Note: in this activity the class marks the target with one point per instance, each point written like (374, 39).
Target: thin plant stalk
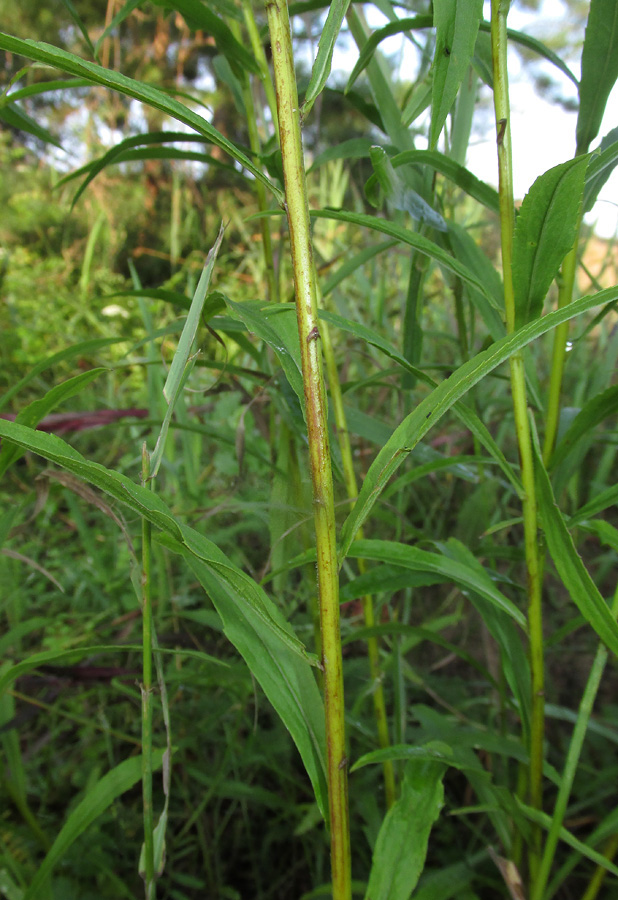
(319, 450)
(600, 873)
(561, 334)
(572, 761)
(149, 870)
(343, 436)
(499, 10)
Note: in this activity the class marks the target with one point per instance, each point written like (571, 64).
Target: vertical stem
(147, 692)
(379, 705)
(317, 431)
(499, 11)
(561, 335)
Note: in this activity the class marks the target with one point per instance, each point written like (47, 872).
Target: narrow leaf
(452, 570)
(99, 797)
(459, 175)
(572, 571)
(416, 425)
(13, 116)
(401, 847)
(457, 26)
(545, 230)
(181, 363)
(599, 69)
(73, 65)
(286, 679)
(32, 414)
(602, 163)
(324, 57)
(148, 504)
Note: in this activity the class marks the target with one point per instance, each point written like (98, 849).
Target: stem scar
(343, 763)
(314, 334)
(501, 131)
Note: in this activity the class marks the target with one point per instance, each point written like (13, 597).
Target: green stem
(499, 10)
(317, 432)
(572, 761)
(343, 436)
(561, 334)
(147, 692)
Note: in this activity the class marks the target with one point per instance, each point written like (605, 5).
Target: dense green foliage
(160, 618)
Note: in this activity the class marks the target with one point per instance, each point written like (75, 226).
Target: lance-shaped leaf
(14, 116)
(183, 362)
(32, 414)
(599, 69)
(324, 57)
(399, 194)
(401, 847)
(545, 230)
(457, 26)
(98, 798)
(602, 163)
(568, 563)
(416, 425)
(74, 65)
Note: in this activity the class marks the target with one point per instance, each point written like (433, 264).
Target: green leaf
(99, 797)
(85, 348)
(32, 414)
(401, 847)
(144, 502)
(73, 65)
(599, 69)
(277, 326)
(132, 149)
(545, 230)
(324, 57)
(13, 116)
(370, 46)
(459, 175)
(416, 425)
(286, 679)
(420, 22)
(451, 570)
(406, 236)
(72, 655)
(399, 194)
(602, 164)
(595, 411)
(541, 818)
(457, 26)
(435, 751)
(573, 573)
(181, 363)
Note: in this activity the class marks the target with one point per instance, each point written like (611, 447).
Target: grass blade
(99, 797)
(457, 26)
(324, 58)
(599, 69)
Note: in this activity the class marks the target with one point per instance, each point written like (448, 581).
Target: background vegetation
(110, 206)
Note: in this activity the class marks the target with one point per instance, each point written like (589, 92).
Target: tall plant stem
(499, 10)
(379, 705)
(147, 693)
(319, 450)
(561, 334)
